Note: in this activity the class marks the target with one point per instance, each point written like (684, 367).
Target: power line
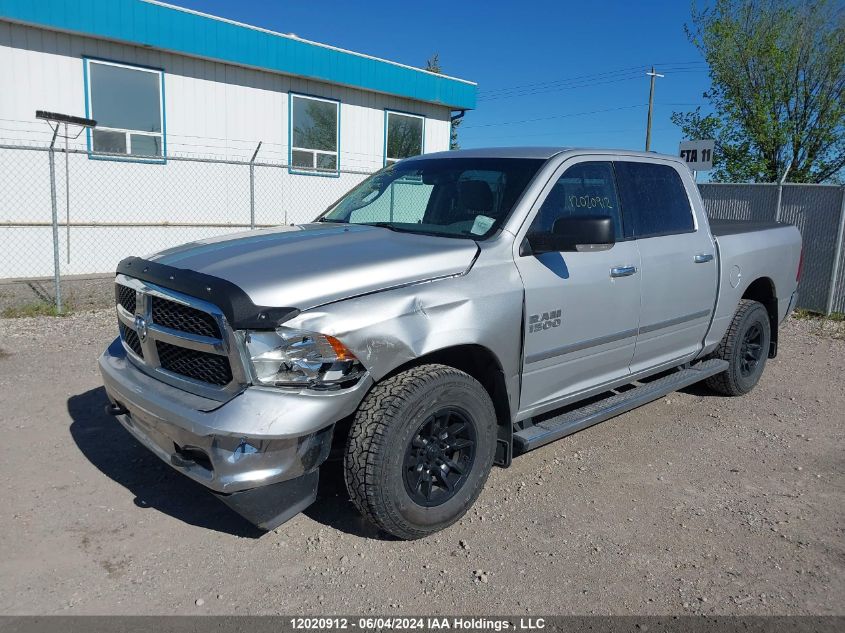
(582, 84)
(637, 68)
(580, 133)
(581, 81)
(541, 84)
(556, 116)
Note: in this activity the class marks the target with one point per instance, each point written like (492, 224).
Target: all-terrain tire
(750, 317)
(390, 422)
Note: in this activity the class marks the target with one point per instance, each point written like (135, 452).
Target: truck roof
(537, 152)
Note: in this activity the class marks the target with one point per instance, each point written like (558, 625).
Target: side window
(653, 199)
(584, 189)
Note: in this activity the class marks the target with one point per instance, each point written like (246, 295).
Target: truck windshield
(450, 197)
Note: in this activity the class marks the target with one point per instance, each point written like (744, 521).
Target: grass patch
(830, 326)
(836, 317)
(34, 309)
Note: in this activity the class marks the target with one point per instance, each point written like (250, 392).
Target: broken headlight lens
(286, 357)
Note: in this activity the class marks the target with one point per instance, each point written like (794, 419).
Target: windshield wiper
(333, 220)
(386, 225)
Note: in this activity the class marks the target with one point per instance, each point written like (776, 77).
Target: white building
(164, 83)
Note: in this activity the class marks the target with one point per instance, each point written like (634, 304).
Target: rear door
(678, 261)
(581, 308)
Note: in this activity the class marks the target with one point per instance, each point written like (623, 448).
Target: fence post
(780, 189)
(837, 256)
(252, 186)
(54, 206)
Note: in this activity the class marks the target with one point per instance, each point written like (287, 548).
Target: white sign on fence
(698, 154)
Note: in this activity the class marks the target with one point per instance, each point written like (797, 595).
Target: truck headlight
(286, 357)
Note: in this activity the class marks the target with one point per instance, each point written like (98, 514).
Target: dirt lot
(693, 504)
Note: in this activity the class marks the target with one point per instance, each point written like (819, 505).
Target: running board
(573, 421)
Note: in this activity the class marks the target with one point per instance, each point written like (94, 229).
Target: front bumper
(258, 438)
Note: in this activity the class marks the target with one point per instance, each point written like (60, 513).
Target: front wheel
(745, 346)
(420, 450)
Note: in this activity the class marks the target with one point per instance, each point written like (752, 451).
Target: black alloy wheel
(751, 350)
(439, 457)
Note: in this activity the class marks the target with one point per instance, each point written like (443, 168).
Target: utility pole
(652, 74)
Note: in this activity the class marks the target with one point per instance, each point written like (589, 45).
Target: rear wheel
(745, 346)
(420, 449)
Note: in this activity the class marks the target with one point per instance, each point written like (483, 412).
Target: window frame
(89, 107)
(387, 113)
(632, 221)
(315, 171)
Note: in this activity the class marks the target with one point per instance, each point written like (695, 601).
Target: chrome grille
(130, 337)
(184, 318)
(202, 366)
(178, 339)
(125, 297)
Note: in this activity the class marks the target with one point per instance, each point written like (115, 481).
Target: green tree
(777, 69)
(432, 65)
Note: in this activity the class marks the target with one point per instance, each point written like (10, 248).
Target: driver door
(582, 309)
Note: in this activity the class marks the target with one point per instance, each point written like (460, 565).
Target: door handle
(623, 271)
(703, 258)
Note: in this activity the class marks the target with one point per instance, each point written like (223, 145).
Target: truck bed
(735, 227)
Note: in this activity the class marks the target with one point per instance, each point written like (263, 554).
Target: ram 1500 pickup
(449, 312)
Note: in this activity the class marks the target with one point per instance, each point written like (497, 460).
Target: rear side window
(583, 189)
(654, 201)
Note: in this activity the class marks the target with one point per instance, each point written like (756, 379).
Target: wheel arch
(763, 290)
(482, 364)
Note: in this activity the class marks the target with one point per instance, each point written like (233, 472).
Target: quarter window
(126, 102)
(584, 189)
(314, 133)
(404, 136)
(654, 200)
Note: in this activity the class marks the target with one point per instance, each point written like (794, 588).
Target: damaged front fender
(388, 329)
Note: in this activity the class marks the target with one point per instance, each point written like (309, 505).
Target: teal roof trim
(181, 31)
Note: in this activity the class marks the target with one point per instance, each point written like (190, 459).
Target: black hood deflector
(235, 304)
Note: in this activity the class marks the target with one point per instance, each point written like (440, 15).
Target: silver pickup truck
(451, 311)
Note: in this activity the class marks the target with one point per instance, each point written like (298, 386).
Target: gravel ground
(78, 292)
(692, 504)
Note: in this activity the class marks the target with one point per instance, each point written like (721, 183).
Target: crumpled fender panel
(388, 329)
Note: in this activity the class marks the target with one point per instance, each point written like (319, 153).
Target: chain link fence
(87, 213)
(819, 213)
(84, 215)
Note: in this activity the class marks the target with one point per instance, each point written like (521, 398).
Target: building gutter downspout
(454, 118)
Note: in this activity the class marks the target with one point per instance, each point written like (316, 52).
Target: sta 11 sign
(698, 154)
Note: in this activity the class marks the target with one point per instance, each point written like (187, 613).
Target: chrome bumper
(259, 437)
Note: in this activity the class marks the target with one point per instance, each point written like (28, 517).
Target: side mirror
(573, 233)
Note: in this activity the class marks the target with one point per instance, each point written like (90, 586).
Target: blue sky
(549, 73)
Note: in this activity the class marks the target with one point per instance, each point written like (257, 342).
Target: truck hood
(314, 264)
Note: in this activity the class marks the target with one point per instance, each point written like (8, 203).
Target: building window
(314, 126)
(404, 136)
(127, 103)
